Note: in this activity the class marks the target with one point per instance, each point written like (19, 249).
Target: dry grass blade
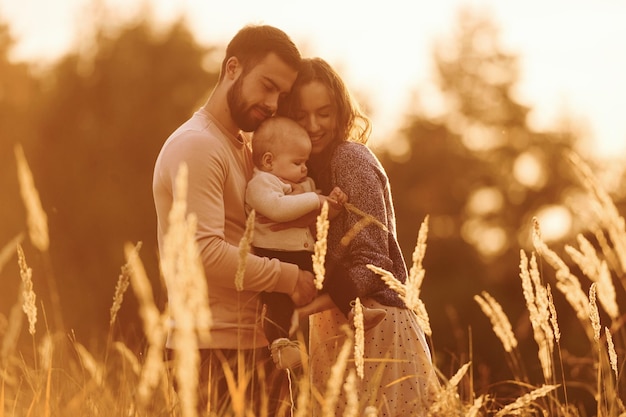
(320, 247)
(29, 305)
(612, 353)
(608, 216)
(364, 221)
(391, 281)
(359, 338)
(244, 249)
(407, 294)
(593, 312)
(567, 283)
(352, 395)
(473, 410)
(153, 324)
(538, 306)
(123, 281)
(8, 250)
(517, 407)
(597, 270)
(333, 386)
(447, 401)
(187, 293)
(499, 321)
(90, 364)
(35, 215)
(416, 273)
(12, 333)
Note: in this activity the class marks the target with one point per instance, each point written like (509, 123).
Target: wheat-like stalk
(352, 396)
(29, 305)
(594, 316)
(364, 221)
(412, 303)
(130, 357)
(597, 271)
(537, 304)
(123, 281)
(447, 397)
(244, 249)
(90, 364)
(35, 215)
(475, 407)
(8, 251)
(320, 247)
(410, 291)
(415, 279)
(46, 349)
(303, 402)
(605, 247)
(12, 332)
(333, 386)
(187, 293)
(517, 407)
(499, 321)
(416, 273)
(606, 292)
(391, 281)
(567, 283)
(553, 317)
(460, 373)
(608, 216)
(359, 338)
(154, 327)
(612, 353)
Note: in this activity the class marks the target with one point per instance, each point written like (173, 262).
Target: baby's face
(290, 162)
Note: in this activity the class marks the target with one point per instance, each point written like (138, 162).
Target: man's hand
(305, 289)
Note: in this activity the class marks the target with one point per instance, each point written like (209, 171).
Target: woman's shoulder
(349, 150)
(354, 154)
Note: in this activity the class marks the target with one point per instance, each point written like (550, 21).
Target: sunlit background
(572, 52)
(474, 103)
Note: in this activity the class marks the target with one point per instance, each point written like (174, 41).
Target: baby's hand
(339, 196)
(336, 199)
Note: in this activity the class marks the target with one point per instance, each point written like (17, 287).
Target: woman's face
(317, 115)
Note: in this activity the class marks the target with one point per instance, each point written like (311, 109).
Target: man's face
(254, 95)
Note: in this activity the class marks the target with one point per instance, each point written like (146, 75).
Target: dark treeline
(92, 123)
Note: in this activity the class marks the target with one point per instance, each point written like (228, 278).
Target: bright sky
(572, 52)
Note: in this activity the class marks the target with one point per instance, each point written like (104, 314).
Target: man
(260, 65)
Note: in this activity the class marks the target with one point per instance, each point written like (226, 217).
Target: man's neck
(217, 106)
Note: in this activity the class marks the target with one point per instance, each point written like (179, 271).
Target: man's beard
(239, 109)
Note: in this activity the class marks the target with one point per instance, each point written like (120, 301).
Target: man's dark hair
(254, 42)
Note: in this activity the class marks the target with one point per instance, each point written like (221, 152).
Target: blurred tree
(19, 90)
(481, 173)
(107, 110)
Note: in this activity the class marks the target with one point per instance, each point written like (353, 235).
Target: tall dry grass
(60, 377)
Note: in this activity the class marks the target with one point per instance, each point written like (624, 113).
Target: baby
(281, 191)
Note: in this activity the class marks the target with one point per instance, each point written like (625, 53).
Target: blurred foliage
(91, 136)
(481, 174)
(92, 125)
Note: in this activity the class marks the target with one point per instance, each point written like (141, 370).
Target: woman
(399, 377)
